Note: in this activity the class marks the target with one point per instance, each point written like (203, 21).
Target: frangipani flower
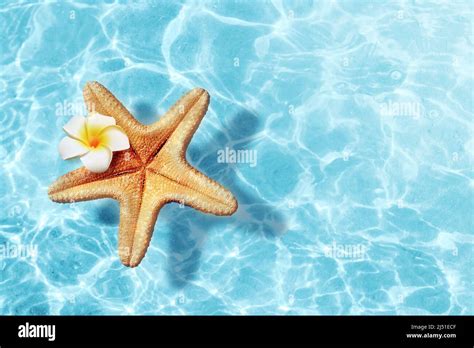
(93, 138)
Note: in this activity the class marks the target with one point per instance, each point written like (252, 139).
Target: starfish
(151, 173)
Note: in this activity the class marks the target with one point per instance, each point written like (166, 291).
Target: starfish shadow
(186, 243)
(145, 112)
(188, 227)
(107, 212)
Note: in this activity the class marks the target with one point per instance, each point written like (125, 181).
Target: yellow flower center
(94, 142)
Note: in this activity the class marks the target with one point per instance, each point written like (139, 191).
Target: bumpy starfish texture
(153, 172)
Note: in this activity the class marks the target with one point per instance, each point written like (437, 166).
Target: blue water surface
(359, 112)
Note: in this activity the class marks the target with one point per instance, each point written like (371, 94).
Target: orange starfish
(153, 172)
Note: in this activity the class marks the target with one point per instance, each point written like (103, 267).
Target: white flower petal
(97, 160)
(115, 138)
(97, 122)
(76, 127)
(69, 148)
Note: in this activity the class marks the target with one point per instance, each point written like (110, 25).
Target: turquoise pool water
(357, 115)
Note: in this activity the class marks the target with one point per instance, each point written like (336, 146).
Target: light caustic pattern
(357, 117)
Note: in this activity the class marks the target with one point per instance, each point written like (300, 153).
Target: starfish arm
(179, 139)
(170, 162)
(99, 99)
(159, 132)
(196, 189)
(83, 185)
(138, 213)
